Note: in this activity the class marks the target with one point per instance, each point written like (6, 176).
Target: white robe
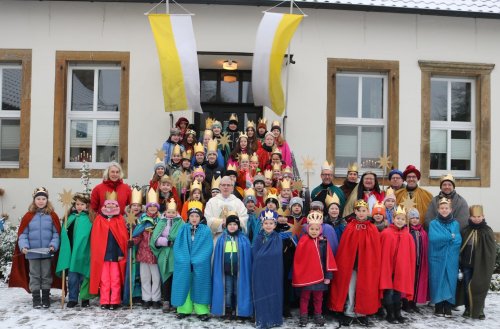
(214, 212)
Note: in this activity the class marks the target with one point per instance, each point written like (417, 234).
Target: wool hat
(41, 191)
(258, 178)
(216, 124)
(296, 200)
(395, 171)
(160, 164)
(317, 205)
(233, 218)
(249, 198)
(411, 169)
(413, 213)
(194, 207)
(174, 131)
(379, 209)
(82, 197)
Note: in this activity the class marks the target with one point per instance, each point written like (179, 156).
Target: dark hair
(360, 185)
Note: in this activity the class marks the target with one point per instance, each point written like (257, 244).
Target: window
(455, 102)
(95, 111)
(15, 82)
(362, 113)
(221, 86)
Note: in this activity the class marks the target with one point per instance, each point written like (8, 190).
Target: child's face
(175, 138)
(165, 187)
(268, 225)
(190, 139)
(212, 157)
(399, 221)
(135, 208)
(200, 178)
(245, 164)
(196, 195)
(333, 211)
(152, 210)
(414, 221)
(389, 203)
(477, 219)
(286, 193)
(194, 219)
(160, 171)
(250, 132)
(444, 209)
(41, 201)
(314, 230)
(361, 213)
(262, 131)
(271, 205)
(80, 206)
(277, 174)
(296, 209)
(378, 218)
(233, 126)
(233, 178)
(250, 206)
(186, 164)
(268, 182)
(275, 159)
(200, 157)
(215, 192)
(176, 158)
(243, 143)
(259, 186)
(217, 130)
(232, 227)
(276, 132)
(254, 164)
(352, 176)
(170, 213)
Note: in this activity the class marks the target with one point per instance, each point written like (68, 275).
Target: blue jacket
(40, 233)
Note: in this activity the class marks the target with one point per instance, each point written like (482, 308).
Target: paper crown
(275, 124)
(177, 149)
(249, 192)
(254, 158)
(277, 167)
(283, 213)
(209, 133)
(244, 157)
(198, 171)
(233, 117)
(243, 135)
(208, 123)
(276, 151)
(332, 199)
(196, 205)
(215, 183)
(198, 148)
(268, 215)
(152, 196)
(352, 167)
(476, 210)
(251, 124)
(158, 160)
(263, 121)
(41, 190)
(268, 174)
(231, 213)
(389, 194)
(212, 146)
(195, 185)
(171, 205)
(315, 217)
(327, 166)
(231, 167)
(136, 195)
(111, 196)
(286, 183)
(187, 154)
(360, 203)
(444, 201)
(271, 196)
(447, 177)
(191, 132)
(400, 211)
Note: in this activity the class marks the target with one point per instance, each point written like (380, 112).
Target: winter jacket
(40, 233)
(98, 195)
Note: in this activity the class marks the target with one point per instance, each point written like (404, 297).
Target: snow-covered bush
(7, 242)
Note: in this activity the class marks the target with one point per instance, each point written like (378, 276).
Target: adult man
(396, 179)
(217, 208)
(418, 195)
(459, 207)
(326, 187)
(351, 180)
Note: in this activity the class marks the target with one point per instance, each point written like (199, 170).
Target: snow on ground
(16, 312)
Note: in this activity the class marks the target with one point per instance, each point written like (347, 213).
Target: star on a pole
(408, 203)
(297, 185)
(308, 164)
(224, 140)
(384, 162)
(183, 179)
(160, 154)
(295, 228)
(66, 197)
(131, 219)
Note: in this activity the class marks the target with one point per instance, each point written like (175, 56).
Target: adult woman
(281, 144)
(112, 180)
(368, 190)
(265, 150)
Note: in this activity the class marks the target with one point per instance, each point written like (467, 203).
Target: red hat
(410, 169)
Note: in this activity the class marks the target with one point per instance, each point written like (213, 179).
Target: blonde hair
(49, 208)
(105, 175)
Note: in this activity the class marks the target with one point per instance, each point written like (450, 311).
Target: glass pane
(229, 88)
(11, 89)
(373, 92)
(109, 90)
(80, 141)
(346, 102)
(10, 136)
(246, 92)
(82, 90)
(439, 100)
(461, 101)
(108, 133)
(460, 150)
(346, 145)
(372, 140)
(438, 149)
(208, 86)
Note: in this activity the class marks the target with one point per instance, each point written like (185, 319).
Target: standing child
(173, 140)
(378, 215)
(333, 217)
(39, 230)
(397, 272)
(161, 244)
(232, 290)
(313, 269)
(195, 194)
(192, 282)
(444, 252)
(75, 250)
(108, 253)
(253, 225)
(267, 274)
(390, 204)
(477, 260)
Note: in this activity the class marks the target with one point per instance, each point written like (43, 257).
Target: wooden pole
(130, 266)
(63, 279)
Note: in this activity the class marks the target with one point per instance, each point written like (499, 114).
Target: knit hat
(413, 213)
(395, 171)
(317, 205)
(41, 191)
(174, 131)
(249, 198)
(82, 197)
(262, 124)
(216, 124)
(258, 178)
(379, 209)
(296, 200)
(411, 169)
(159, 164)
(233, 218)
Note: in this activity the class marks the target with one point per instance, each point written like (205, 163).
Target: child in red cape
(313, 268)
(358, 261)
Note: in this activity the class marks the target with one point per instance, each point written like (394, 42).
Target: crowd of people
(225, 230)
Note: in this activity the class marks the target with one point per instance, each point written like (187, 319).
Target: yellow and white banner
(273, 36)
(176, 46)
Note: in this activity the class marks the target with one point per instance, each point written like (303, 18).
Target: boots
(447, 310)
(45, 298)
(228, 315)
(303, 320)
(380, 313)
(414, 307)
(406, 306)
(37, 302)
(397, 313)
(390, 313)
(319, 320)
(439, 309)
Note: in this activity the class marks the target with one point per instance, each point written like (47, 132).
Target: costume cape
(397, 270)
(421, 197)
(330, 235)
(421, 239)
(19, 275)
(444, 250)
(98, 244)
(307, 265)
(360, 240)
(244, 306)
(192, 264)
(165, 255)
(267, 280)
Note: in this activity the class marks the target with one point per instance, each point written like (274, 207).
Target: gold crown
(263, 121)
(327, 166)
(191, 132)
(212, 146)
(233, 117)
(158, 160)
(231, 213)
(208, 123)
(352, 167)
(448, 177)
(187, 154)
(136, 195)
(277, 166)
(195, 204)
(209, 133)
(476, 210)
(231, 167)
(244, 157)
(315, 217)
(276, 151)
(268, 215)
(286, 183)
(360, 203)
(268, 174)
(275, 124)
(283, 213)
(198, 171)
(287, 170)
(251, 124)
(195, 185)
(165, 179)
(243, 135)
(249, 192)
(111, 196)
(271, 196)
(332, 199)
(152, 196)
(389, 191)
(215, 183)
(177, 149)
(171, 205)
(444, 200)
(198, 148)
(400, 211)
(40, 190)
(254, 158)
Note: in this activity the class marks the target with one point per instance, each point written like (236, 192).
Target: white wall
(46, 27)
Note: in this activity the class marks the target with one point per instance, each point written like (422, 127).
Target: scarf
(267, 148)
(112, 184)
(445, 220)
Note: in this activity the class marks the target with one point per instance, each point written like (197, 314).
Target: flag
(176, 46)
(273, 36)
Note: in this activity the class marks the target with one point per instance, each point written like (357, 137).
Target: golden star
(224, 140)
(408, 203)
(184, 179)
(308, 164)
(297, 185)
(160, 154)
(66, 197)
(384, 162)
(258, 210)
(131, 219)
(295, 228)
